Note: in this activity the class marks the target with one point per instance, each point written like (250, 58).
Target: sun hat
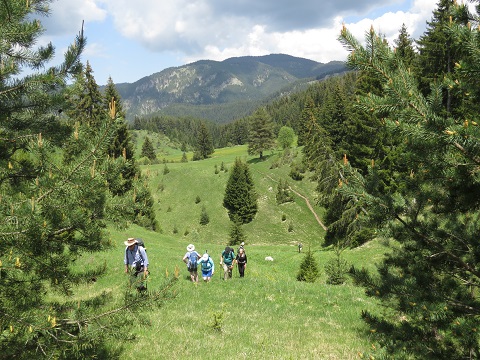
(130, 241)
(190, 247)
(205, 257)
(242, 243)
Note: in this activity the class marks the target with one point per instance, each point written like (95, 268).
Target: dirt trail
(306, 200)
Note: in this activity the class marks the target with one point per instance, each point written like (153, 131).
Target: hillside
(270, 313)
(175, 193)
(236, 85)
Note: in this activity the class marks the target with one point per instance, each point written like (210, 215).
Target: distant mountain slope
(208, 84)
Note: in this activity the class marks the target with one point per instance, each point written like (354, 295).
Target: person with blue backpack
(136, 262)
(207, 266)
(227, 261)
(191, 259)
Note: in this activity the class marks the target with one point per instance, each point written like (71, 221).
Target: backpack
(192, 261)
(141, 243)
(228, 256)
(206, 265)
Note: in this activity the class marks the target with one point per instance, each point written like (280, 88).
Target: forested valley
(392, 147)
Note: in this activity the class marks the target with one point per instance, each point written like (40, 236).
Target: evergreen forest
(386, 156)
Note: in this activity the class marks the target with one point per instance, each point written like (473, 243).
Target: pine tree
(148, 150)
(240, 198)
(429, 282)
(51, 212)
(261, 136)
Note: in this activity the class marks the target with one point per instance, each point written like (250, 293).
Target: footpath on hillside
(304, 198)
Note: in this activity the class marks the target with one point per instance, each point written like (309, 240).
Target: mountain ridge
(245, 80)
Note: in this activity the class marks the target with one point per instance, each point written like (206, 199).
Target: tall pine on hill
(240, 198)
(430, 281)
(261, 136)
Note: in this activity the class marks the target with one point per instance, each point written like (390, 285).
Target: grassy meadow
(267, 314)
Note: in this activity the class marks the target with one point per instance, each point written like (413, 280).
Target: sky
(128, 40)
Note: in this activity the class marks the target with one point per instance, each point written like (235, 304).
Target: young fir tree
(51, 212)
(430, 280)
(261, 136)
(147, 149)
(308, 268)
(204, 218)
(240, 198)
(237, 234)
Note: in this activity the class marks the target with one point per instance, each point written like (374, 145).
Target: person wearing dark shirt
(241, 261)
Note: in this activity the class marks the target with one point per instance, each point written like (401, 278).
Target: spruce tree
(307, 117)
(404, 47)
(147, 149)
(240, 198)
(204, 144)
(430, 280)
(261, 136)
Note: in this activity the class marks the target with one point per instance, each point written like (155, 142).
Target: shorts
(207, 273)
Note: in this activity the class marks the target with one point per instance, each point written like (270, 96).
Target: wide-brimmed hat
(205, 257)
(130, 241)
(190, 247)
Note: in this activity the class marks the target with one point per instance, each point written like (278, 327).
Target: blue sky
(128, 40)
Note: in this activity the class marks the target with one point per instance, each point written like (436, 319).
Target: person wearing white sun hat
(136, 262)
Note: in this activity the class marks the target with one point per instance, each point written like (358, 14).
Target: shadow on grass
(258, 160)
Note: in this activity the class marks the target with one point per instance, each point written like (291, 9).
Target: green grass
(267, 314)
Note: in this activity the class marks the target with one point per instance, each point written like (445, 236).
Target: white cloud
(67, 16)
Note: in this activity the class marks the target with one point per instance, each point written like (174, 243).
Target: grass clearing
(267, 314)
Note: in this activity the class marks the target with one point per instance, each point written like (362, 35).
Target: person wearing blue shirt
(136, 262)
(207, 266)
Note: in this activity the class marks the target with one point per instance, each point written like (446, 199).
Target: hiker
(136, 262)
(226, 260)
(300, 247)
(191, 259)
(241, 260)
(207, 266)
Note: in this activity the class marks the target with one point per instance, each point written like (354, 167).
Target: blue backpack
(192, 261)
